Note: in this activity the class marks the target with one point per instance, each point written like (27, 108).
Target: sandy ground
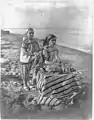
(81, 112)
(80, 60)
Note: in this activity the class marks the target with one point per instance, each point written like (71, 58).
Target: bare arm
(57, 57)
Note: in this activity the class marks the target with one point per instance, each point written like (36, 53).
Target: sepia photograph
(46, 59)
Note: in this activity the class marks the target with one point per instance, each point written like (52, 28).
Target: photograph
(46, 59)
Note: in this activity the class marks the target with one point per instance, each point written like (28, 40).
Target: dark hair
(48, 38)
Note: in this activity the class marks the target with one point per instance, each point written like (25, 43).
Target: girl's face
(52, 42)
(30, 34)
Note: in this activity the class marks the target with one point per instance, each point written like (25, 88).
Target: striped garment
(48, 101)
(40, 100)
(60, 87)
(54, 90)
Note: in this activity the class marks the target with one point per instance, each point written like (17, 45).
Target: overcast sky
(70, 20)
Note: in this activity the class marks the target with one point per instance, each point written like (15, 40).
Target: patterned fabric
(40, 100)
(49, 101)
(50, 53)
(38, 60)
(51, 57)
(30, 45)
(54, 90)
(25, 68)
(28, 48)
(60, 87)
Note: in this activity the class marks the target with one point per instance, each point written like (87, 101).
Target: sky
(70, 20)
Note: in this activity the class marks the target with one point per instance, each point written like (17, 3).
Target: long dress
(28, 47)
(51, 63)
